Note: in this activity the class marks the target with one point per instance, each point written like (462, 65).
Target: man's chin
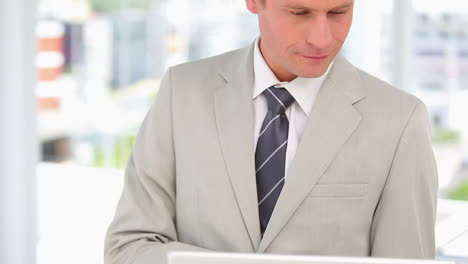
(313, 74)
(313, 71)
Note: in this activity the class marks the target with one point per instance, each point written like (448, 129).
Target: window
(100, 63)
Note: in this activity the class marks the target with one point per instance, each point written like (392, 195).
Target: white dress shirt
(304, 91)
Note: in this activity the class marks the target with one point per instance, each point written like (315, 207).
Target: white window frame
(18, 135)
(403, 68)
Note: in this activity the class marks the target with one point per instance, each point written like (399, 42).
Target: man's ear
(252, 5)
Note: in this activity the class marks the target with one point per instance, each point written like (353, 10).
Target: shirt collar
(304, 90)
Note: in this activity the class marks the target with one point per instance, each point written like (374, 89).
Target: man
(281, 147)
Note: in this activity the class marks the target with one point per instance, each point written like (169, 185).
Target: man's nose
(319, 33)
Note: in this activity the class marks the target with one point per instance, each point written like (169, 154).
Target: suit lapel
(332, 121)
(234, 118)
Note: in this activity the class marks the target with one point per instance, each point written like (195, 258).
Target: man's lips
(316, 57)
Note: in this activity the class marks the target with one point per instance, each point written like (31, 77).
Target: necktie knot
(279, 99)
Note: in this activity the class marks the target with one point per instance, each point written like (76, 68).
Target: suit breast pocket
(341, 190)
(343, 204)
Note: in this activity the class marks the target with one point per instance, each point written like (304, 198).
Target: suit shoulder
(389, 104)
(204, 66)
(387, 94)
(201, 77)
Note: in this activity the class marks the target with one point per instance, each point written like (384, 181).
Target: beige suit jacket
(363, 181)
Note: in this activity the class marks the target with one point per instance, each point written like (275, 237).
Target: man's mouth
(315, 57)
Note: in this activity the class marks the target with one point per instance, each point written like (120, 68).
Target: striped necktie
(270, 155)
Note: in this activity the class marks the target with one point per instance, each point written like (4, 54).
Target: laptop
(241, 258)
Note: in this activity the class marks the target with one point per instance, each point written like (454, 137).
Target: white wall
(18, 143)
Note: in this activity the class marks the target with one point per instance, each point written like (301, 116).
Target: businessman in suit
(280, 147)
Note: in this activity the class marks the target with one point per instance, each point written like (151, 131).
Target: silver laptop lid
(237, 258)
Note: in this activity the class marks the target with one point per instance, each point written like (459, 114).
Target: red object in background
(49, 74)
(49, 104)
(50, 44)
(50, 51)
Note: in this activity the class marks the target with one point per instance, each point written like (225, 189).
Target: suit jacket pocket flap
(339, 190)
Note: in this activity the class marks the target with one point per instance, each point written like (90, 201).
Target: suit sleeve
(143, 230)
(403, 223)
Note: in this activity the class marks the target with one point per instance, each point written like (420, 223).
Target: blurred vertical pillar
(365, 38)
(18, 142)
(403, 67)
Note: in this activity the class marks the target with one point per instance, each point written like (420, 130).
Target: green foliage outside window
(122, 148)
(107, 6)
(460, 192)
(445, 136)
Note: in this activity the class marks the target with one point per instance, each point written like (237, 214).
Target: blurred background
(78, 76)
